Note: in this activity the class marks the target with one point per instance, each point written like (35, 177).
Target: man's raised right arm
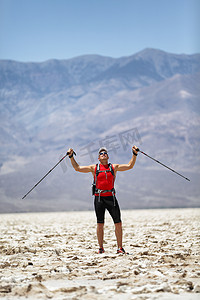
(83, 169)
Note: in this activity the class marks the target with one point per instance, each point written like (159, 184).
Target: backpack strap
(111, 169)
(97, 170)
(96, 173)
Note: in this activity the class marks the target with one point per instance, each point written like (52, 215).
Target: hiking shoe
(121, 250)
(101, 250)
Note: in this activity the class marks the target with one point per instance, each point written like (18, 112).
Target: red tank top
(105, 180)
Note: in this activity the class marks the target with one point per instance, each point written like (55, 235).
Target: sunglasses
(101, 153)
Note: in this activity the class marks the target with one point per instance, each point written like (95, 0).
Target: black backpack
(94, 189)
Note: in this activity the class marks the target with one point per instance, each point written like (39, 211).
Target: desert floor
(54, 256)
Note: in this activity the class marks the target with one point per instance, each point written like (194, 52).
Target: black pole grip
(137, 149)
(73, 153)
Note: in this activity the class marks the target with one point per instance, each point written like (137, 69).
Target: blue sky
(38, 30)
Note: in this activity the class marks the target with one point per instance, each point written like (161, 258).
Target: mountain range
(150, 99)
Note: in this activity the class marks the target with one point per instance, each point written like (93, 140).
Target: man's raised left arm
(130, 165)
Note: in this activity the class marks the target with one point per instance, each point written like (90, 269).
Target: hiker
(104, 175)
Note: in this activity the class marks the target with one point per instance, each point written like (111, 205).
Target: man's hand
(70, 152)
(135, 150)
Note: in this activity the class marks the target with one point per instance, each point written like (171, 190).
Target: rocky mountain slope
(150, 99)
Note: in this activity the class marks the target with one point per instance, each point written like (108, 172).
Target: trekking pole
(47, 174)
(162, 164)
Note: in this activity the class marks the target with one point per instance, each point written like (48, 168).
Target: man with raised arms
(104, 175)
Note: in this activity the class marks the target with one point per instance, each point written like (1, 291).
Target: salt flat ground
(54, 256)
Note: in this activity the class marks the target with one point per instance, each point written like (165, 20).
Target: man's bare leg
(118, 233)
(100, 234)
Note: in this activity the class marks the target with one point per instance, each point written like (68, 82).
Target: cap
(103, 148)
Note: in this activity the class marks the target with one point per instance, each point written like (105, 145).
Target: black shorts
(107, 202)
